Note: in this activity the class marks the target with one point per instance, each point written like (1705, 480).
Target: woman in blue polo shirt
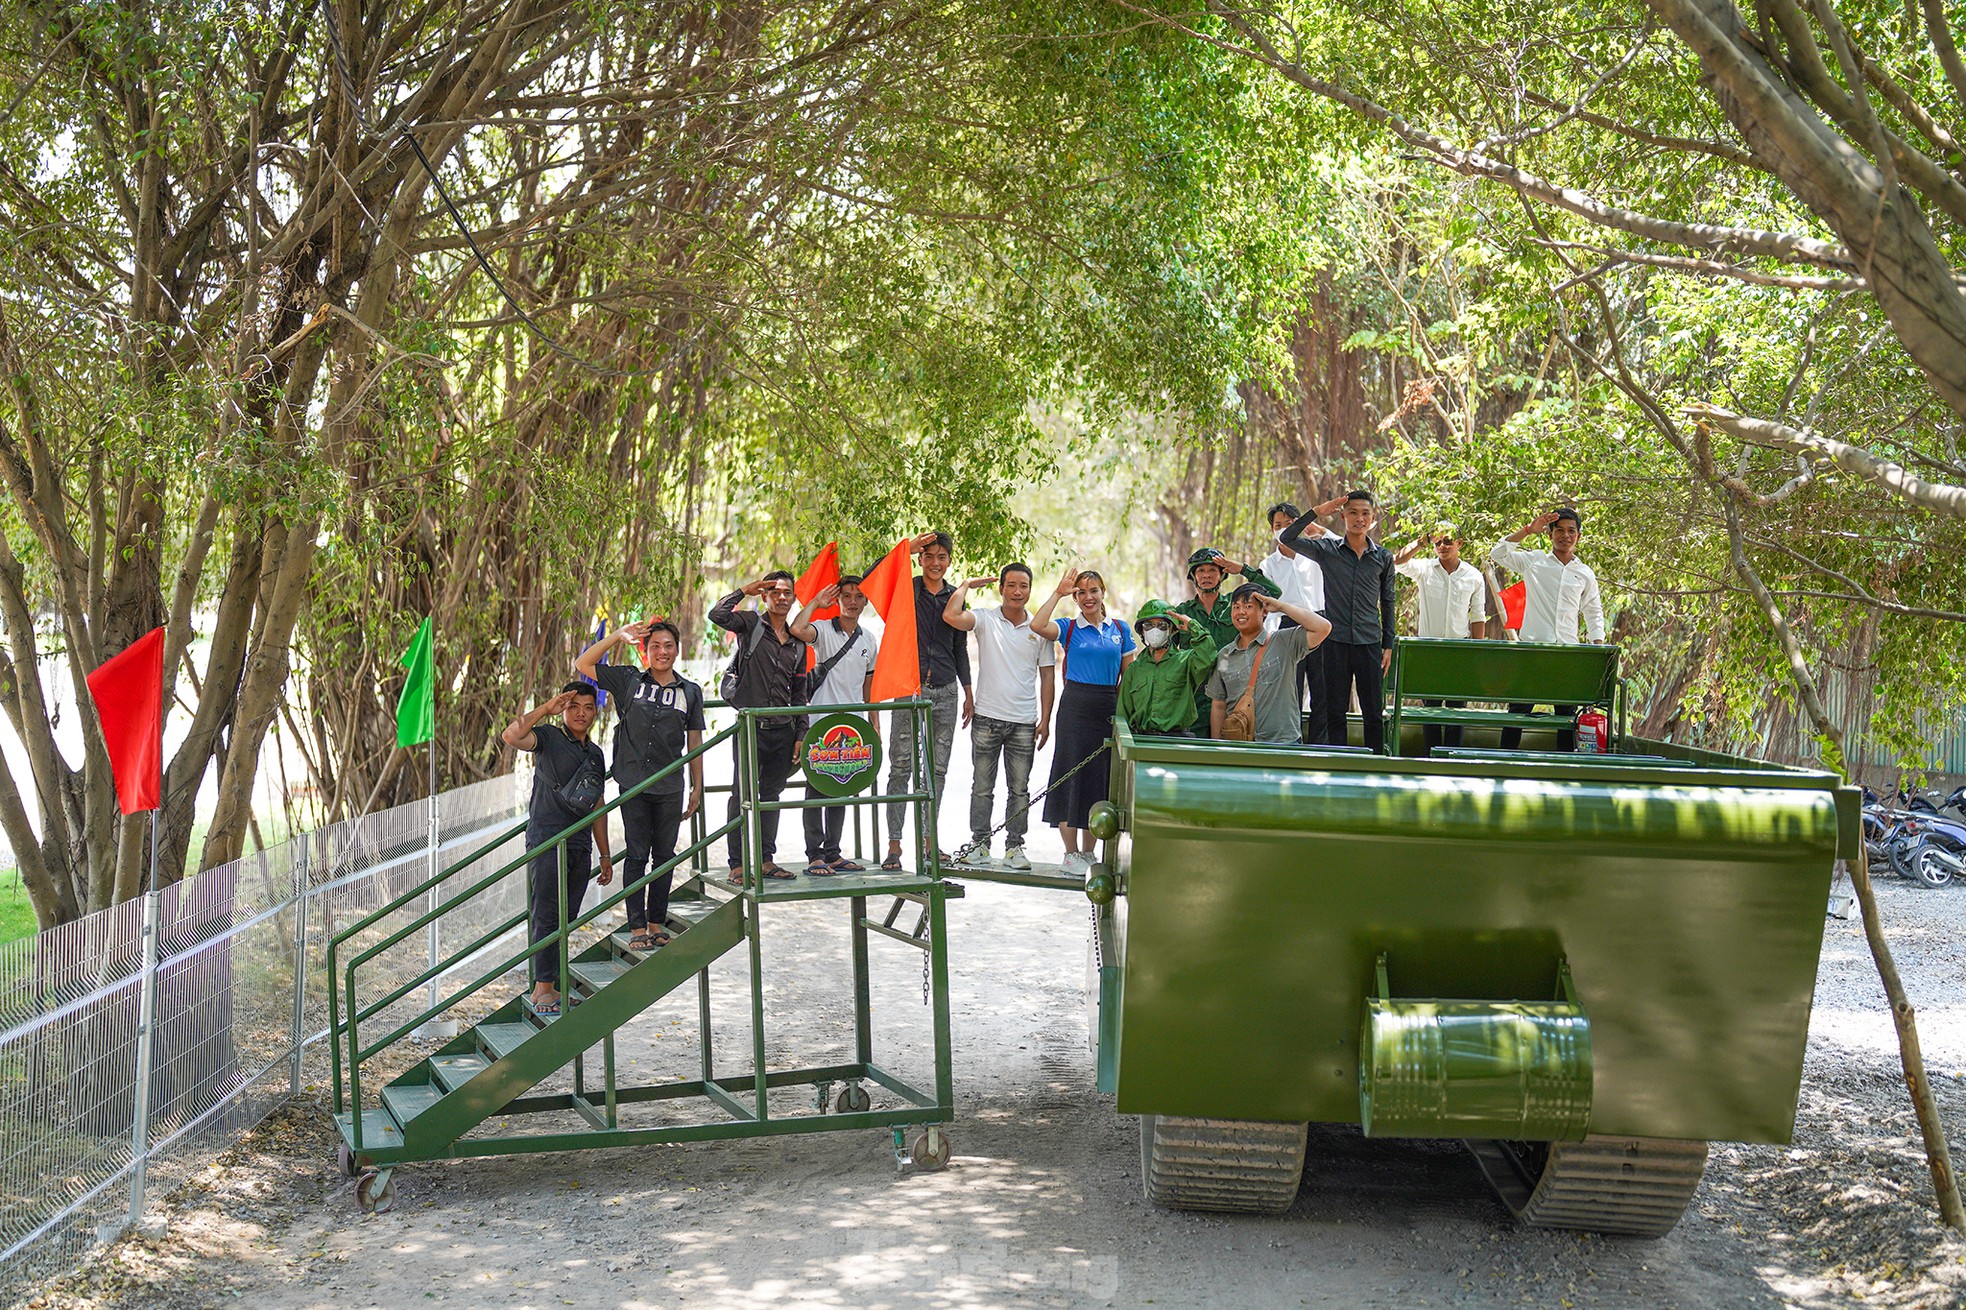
(1096, 649)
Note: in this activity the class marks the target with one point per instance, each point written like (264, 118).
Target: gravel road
(1042, 1204)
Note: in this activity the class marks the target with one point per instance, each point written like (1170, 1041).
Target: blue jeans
(1017, 744)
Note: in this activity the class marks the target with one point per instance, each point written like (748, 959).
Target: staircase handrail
(558, 840)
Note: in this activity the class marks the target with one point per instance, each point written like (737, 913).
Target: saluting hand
(636, 632)
(1331, 506)
(827, 595)
(1542, 521)
(1070, 582)
(981, 582)
(557, 705)
(754, 588)
(917, 544)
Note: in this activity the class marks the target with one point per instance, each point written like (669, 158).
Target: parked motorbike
(1929, 849)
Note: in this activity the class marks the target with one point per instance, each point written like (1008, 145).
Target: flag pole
(146, 1044)
(437, 1026)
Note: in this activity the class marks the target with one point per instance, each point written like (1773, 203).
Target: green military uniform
(1216, 621)
(1158, 695)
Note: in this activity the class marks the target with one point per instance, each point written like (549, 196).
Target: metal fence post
(146, 1025)
(303, 892)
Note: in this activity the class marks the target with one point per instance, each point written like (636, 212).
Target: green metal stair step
(378, 1129)
(501, 1039)
(453, 1071)
(408, 1100)
(598, 973)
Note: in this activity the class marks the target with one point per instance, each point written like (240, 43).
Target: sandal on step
(892, 863)
(819, 869)
(848, 866)
(774, 871)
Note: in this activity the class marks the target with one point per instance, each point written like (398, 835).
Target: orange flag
(823, 572)
(890, 589)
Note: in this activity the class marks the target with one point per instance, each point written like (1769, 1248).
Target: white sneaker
(1077, 860)
(978, 859)
(1014, 858)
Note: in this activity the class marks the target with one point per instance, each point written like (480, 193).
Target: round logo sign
(840, 754)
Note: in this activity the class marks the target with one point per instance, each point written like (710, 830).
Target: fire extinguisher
(1593, 731)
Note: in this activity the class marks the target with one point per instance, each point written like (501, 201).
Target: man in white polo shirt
(1559, 589)
(1453, 603)
(1300, 582)
(1014, 690)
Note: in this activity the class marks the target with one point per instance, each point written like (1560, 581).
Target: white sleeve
(1505, 552)
(1593, 607)
(1413, 568)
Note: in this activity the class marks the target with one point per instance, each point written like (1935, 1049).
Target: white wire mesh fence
(240, 1013)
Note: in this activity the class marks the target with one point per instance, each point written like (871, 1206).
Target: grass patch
(16, 911)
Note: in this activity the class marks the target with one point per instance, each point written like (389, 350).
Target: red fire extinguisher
(1593, 731)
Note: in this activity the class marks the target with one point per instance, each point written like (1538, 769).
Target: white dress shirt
(1300, 581)
(1450, 603)
(1555, 594)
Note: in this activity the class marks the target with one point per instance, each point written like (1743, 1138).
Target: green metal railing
(348, 1012)
(558, 941)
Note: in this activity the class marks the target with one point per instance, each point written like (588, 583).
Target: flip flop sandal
(819, 869)
(848, 866)
(641, 941)
(735, 877)
(546, 1009)
(892, 864)
(774, 871)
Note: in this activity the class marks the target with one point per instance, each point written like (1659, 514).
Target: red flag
(129, 696)
(823, 572)
(890, 589)
(1514, 600)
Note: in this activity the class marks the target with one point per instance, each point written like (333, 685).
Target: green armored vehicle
(1585, 966)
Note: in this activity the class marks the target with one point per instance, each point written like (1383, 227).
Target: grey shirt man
(1278, 715)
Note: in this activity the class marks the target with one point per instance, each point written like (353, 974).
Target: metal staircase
(474, 1095)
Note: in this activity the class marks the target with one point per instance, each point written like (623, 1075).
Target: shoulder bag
(1241, 724)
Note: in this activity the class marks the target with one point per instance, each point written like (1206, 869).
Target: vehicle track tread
(1636, 1186)
(1237, 1166)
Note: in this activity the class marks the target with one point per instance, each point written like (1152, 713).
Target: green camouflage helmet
(1206, 555)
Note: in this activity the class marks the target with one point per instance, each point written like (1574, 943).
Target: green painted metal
(1518, 1070)
(1263, 883)
(1103, 988)
(1500, 673)
(439, 1108)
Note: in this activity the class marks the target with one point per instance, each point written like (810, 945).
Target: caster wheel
(375, 1193)
(932, 1152)
(345, 1160)
(853, 1099)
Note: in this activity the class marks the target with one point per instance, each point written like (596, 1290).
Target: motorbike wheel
(1927, 868)
(1897, 852)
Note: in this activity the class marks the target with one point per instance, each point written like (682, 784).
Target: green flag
(416, 711)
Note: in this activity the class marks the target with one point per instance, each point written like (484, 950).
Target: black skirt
(1085, 726)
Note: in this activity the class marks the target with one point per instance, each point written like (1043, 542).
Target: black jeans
(1310, 682)
(824, 827)
(777, 739)
(1347, 663)
(544, 876)
(1566, 737)
(1438, 735)
(649, 825)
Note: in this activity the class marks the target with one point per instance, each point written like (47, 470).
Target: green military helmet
(1159, 609)
(1206, 555)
